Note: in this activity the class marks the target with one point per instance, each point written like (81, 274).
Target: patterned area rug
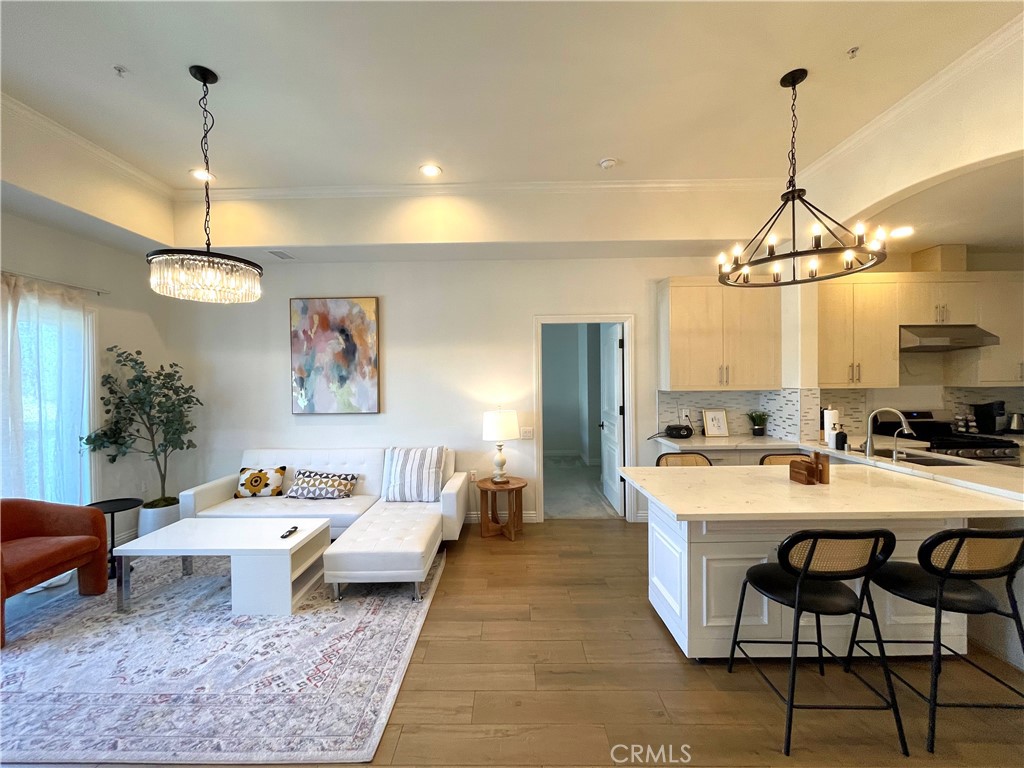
(182, 680)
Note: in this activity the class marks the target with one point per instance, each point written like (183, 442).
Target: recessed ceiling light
(902, 232)
(430, 170)
(608, 163)
(202, 174)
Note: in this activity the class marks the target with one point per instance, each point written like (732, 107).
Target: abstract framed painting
(335, 364)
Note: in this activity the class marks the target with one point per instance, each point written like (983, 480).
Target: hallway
(572, 490)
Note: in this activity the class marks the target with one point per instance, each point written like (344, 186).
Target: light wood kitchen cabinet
(858, 335)
(938, 303)
(1002, 313)
(714, 337)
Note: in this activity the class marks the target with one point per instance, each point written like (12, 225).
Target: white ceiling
(359, 94)
(983, 209)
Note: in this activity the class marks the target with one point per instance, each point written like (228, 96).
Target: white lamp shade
(501, 425)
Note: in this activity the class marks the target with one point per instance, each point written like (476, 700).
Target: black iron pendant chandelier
(846, 252)
(205, 276)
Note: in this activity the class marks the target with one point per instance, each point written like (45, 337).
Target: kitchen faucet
(869, 444)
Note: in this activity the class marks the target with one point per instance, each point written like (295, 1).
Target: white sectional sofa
(374, 540)
(216, 498)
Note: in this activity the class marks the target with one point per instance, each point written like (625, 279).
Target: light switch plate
(526, 433)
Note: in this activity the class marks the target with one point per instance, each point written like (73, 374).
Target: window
(47, 362)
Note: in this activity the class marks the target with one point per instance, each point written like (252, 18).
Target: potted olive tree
(147, 412)
(758, 421)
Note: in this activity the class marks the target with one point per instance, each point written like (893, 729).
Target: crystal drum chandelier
(845, 252)
(205, 276)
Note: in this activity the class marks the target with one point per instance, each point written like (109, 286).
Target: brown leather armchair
(40, 540)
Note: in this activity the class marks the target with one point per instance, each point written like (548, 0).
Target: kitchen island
(707, 525)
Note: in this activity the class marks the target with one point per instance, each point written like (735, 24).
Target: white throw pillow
(413, 474)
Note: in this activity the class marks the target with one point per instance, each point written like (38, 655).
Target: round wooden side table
(490, 525)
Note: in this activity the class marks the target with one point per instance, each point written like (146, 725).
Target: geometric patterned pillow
(259, 482)
(310, 484)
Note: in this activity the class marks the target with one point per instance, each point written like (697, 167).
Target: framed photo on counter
(715, 423)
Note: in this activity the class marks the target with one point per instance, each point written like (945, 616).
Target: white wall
(456, 338)
(560, 363)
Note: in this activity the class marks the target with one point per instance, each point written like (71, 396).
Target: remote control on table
(289, 532)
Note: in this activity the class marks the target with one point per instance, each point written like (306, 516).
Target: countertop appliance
(991, 417)
(936, 427)
(1016, 425)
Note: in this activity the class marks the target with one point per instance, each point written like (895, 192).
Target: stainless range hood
(944, 338)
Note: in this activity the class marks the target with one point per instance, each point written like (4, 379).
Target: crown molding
(14, 109)
(1011, 33)
(475, 189)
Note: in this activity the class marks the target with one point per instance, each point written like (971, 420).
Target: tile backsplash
(852, 407)
(795, 413)
(958, 399)
(736, 405)
(785, 407)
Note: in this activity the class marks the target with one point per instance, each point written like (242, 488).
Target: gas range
(976, 447)
(939, 432)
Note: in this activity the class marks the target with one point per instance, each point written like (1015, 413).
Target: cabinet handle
(850, 379)
(936, 314)
(727, 375)
(721, 378)
(858, 373)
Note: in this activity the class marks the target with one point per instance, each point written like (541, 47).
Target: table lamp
(499, 426)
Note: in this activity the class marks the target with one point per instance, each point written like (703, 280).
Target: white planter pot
(154, 518)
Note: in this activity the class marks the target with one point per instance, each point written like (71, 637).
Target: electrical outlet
(472, 475)
(684, 414)
(526, 433)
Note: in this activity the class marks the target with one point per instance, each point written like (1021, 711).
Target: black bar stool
(950, 561)
(808, 578)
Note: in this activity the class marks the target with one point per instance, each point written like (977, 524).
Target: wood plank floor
(545, 652)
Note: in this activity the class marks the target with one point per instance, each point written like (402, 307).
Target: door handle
(858, 373)
(850, 378)
(600, 425)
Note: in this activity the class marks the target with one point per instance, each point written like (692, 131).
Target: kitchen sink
(924, 461)
(932, 461)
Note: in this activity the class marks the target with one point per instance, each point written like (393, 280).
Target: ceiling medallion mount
(205, 276)
(845, 253)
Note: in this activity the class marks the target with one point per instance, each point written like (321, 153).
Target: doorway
(582, 417)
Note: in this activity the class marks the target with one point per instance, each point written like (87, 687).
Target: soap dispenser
(840, 439)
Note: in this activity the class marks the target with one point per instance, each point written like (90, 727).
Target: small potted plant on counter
(758, 420)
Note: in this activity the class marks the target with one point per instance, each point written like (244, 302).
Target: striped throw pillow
(414, 474)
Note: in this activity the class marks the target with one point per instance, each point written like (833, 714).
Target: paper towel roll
(831, 417)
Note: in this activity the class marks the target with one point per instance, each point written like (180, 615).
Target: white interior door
(611, 420)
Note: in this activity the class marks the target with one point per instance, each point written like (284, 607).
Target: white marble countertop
(766, 493)
(742, 442)
(998, 479)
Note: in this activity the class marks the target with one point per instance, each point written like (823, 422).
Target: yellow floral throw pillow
(259, 482)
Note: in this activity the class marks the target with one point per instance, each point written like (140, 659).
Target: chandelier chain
(204, 144)
(791, 184)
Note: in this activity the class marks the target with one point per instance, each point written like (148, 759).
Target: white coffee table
(269, 575)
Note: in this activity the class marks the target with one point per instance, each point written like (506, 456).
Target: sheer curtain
(44, 374)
